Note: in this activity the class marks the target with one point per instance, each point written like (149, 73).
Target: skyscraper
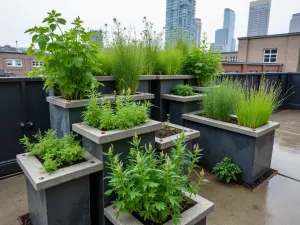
(295, 23)
(224, 38)
(259, 15)
(180, 20)
(198, 28)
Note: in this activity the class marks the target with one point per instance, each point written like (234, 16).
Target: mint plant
(151, 183)
(54, 151)
(183, 90)
(69, 57)
(226, 170)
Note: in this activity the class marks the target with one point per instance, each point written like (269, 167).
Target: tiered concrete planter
(110, 83)
(164, 85)
(250, 149)
(99, 142)
(196, 215)
(179, 105)
(166, 144)
(64, 113)
(62, 197)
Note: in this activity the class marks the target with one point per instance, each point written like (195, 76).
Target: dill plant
(151, 184)
(220, 102)
(256, 105)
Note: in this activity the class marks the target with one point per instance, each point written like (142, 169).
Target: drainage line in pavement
(288, 177)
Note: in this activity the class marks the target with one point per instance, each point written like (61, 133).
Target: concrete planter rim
(167, 142)
(41, 180)
(174, 77)
(112, 78)
(258, 132)
(58, 101)
(177, 98)
(189, 217)
(102, 137)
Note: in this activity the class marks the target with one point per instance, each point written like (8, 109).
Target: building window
(233, 58)
(36, 63)
(270, 55)
(14, 62)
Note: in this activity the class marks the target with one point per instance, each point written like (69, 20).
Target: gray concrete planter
(250, 149)
(62, 197)
(179, 105)
(99, 142)
(196, 215)
(166, 144)
(164, 85)
(64, 113)
(110, 83)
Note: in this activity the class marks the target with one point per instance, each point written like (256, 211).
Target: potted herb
(246, 138)
(166, 137)
(182, 100)
(171, 193)
(57, 179)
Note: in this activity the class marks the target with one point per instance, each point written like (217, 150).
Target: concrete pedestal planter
(64, 113)
(166, 144)
(99, 142)
(62, 197)
(164, 85)
(179, 105)
(196, 215)
(250, 149)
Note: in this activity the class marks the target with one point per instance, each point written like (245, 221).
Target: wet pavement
(277, 202)
(286, 151)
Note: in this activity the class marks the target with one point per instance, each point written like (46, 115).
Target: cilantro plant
(151, 183)
(53, 151)
(183, 90)
(69, 57)
(226, 170)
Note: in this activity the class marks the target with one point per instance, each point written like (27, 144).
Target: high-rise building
(295, 23)
(259, 15)
(180, 20)
(224, 38)
(198, 28)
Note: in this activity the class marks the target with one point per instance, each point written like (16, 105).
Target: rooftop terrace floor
(277, 202)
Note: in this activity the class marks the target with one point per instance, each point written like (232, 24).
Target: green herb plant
(53, 151)
(69, 57)
(226, 170)
(183, 90)
(222, 101)
(123, 114)
(170, 61)
(152, 184)
(166, 126)
(203, 63)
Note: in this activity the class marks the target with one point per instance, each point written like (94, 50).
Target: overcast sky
(18, 15)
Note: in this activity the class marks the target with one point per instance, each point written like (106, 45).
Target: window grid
(14, 62)
(270, 55)
(36, 63)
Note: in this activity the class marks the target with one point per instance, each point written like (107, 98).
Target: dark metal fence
(24, 110)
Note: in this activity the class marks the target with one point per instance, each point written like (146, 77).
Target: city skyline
(295, 23)
(95, 14)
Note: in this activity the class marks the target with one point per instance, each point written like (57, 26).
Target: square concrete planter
(179, 105)
(166, 144)
(99, 142)
(62, 197)
(164, 85)
(196, 215)
(250, 149)
(64, 113)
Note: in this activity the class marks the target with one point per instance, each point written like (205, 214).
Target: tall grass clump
(104, 57)
(220, 102)
(256, 105)
(151, 46)
(126, 58)
(170, 61)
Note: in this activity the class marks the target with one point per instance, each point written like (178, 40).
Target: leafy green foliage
(257, 105)
(221, 101)
(202, 62)
(226, 170)
(52, 150)
(152, 184)
(166, 126)
(170, 61)
(183, 90)
(69, 57)
(123, 114)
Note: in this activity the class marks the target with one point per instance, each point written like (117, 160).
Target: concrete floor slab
(286, 152)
